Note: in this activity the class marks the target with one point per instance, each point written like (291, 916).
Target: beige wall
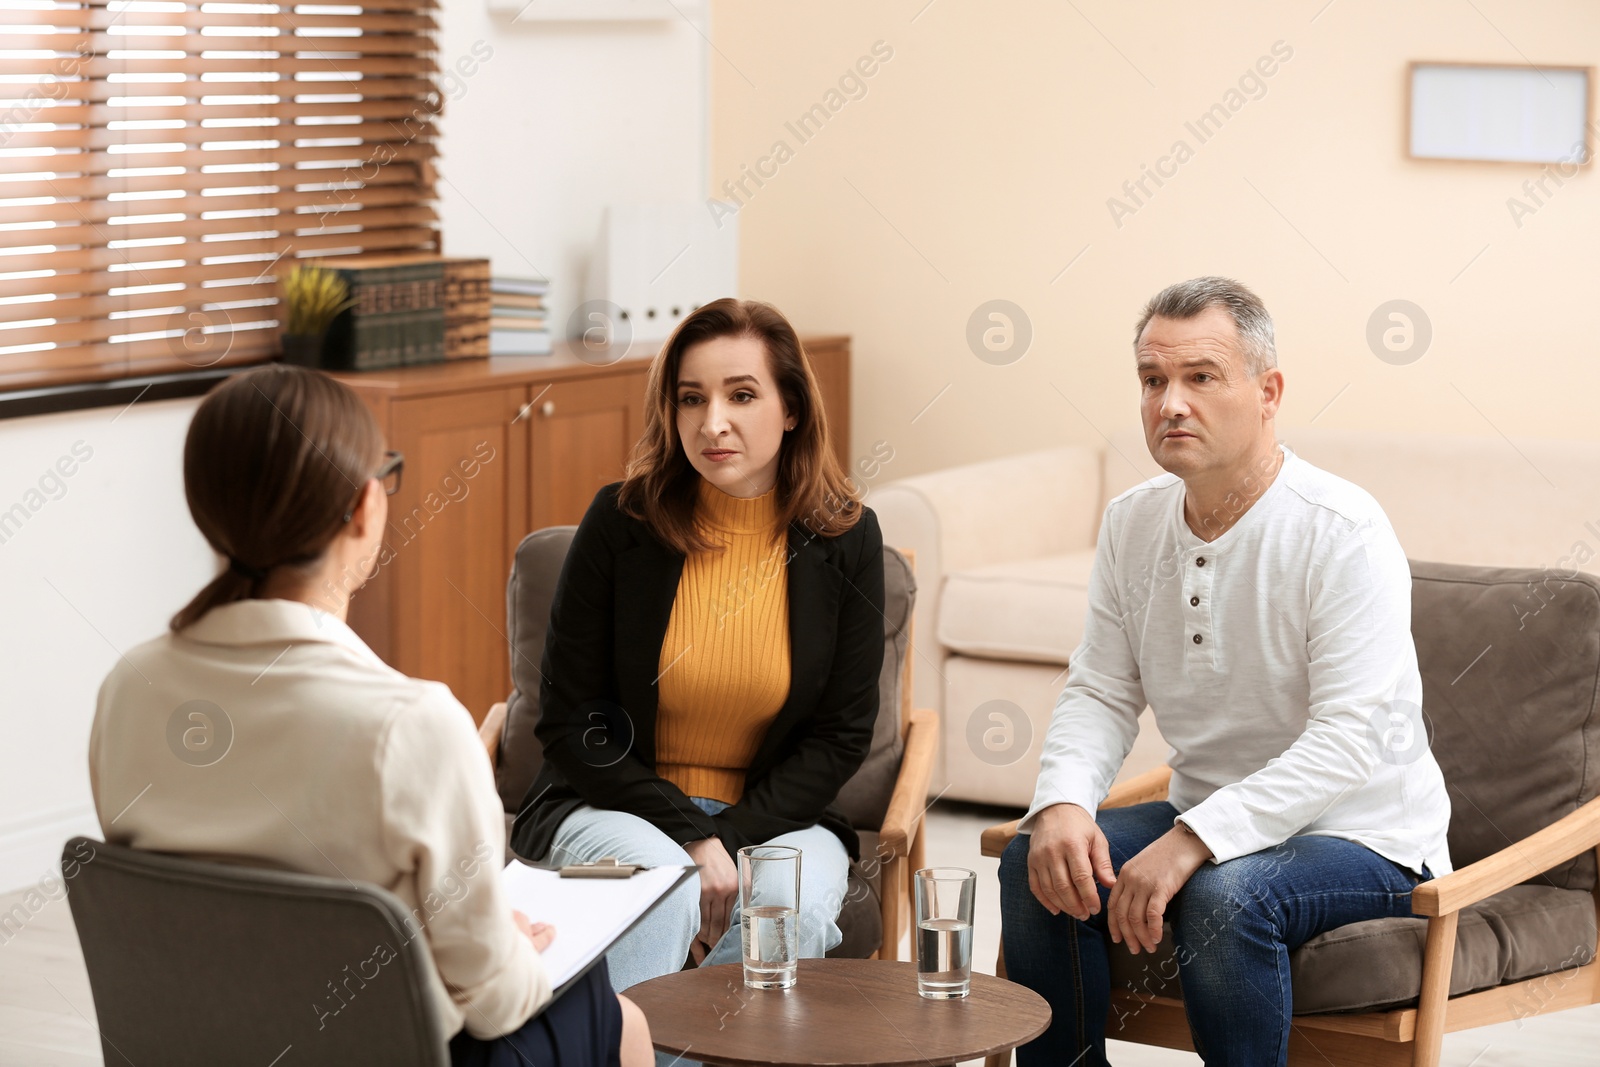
(980, 160)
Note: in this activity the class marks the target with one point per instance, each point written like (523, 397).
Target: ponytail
(225, 588)
(273, 461)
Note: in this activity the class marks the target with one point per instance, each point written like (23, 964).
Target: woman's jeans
(1234, 925)
(660, 943)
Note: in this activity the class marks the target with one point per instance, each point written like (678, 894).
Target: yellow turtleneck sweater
(725, 658)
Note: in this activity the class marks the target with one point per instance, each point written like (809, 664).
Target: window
(163, 162)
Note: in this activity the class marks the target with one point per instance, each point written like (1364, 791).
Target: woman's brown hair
(274, 460)
(659, 487)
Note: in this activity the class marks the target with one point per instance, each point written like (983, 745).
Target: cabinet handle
(548, 409)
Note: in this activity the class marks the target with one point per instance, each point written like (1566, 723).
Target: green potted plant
(313, 296)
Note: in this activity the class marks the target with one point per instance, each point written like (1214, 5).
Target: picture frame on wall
(1499, 112)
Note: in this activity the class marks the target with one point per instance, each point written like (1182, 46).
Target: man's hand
(719, 882)
(1066, 855)
(1146, 885)
(541, 934)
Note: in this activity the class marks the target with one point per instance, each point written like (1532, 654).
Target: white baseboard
(30, 848)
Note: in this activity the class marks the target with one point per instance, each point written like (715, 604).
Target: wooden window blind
(163, 162)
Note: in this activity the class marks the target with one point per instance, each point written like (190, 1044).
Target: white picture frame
(1506, 113)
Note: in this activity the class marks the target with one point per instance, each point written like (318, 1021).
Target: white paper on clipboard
(589, 914)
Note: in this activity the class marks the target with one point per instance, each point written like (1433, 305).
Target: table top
(840, 1013)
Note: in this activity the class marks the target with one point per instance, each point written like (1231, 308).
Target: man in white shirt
(1262, 607)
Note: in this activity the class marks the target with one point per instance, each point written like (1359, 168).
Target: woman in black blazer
(710, 676)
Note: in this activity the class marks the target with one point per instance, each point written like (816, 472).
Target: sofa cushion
(1521, 933)
(1032, 610)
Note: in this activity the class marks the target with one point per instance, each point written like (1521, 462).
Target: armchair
(1513, 931)
(885, 801)
(195, 962)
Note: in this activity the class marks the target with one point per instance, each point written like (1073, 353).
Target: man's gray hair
(1187, 299)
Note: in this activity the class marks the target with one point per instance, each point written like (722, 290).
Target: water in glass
(771, 946)
(944, 958)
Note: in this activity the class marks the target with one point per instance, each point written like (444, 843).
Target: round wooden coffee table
(840, 1012)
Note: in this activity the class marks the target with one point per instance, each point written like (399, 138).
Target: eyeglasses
(388, 473)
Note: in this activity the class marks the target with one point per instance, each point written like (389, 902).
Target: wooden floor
(47, 1013)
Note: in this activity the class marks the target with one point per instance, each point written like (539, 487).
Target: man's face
(1202, 410)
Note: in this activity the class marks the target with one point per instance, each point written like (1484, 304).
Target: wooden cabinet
(453, 528)
(495, 449)
(583, 432)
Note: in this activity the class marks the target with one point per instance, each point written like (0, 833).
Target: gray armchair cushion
(207, 963)
(860, 919)
(1520, 933)
(865, 797)
(1510, 662)
(529, 593)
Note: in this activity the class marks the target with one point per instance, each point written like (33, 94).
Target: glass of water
(769, 915)
(944, 931)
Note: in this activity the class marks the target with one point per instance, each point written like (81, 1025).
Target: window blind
(162, 163)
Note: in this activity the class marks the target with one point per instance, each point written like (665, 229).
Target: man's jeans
(1234, 925)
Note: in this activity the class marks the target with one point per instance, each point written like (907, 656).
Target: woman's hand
(541, 934)
(719, 882)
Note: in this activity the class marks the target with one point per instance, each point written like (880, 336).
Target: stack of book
(517, 324)
(397, 318)
(466, 308)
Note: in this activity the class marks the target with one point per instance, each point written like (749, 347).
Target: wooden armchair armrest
(996, 838)
(909, 802)
(1514, 864)
(1151, 785)
(1140, 789)
(491, 728)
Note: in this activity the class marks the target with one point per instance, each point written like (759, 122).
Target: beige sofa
(1003, 551)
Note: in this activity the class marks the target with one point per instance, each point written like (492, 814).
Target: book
(519, 342)
(500, 321)
(589, 914)
(398, 316)
(518, 300)
(524, 286)
(466, 307)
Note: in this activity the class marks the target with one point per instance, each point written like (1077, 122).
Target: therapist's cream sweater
(269, 733)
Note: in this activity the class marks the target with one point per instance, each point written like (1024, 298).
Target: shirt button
(1197, 639)
(1201, 562)
(1194, 602)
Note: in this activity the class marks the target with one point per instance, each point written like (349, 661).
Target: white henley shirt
(1278, 662)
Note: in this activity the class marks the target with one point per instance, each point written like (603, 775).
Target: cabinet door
(453, 530)
(831, 362)
(582, 433)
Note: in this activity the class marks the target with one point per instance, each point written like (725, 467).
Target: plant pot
(303, 349)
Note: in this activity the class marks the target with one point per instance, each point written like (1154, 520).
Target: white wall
(982, 159)
(107, 557)
(556, 122)
(561, 119)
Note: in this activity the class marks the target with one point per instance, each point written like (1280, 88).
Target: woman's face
(731, 419)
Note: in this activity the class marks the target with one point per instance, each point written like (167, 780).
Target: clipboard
(574, 906)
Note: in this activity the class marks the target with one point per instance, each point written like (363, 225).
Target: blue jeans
(659, 944)
(1234, 925)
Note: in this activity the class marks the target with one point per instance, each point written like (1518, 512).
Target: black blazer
(597, 699)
